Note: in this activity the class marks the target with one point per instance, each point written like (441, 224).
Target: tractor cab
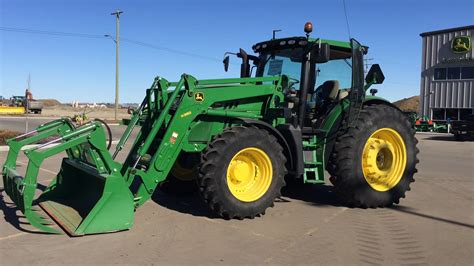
(321, 72)
(329, 74)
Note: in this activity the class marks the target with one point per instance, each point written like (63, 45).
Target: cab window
(287, 62)
(339, 69)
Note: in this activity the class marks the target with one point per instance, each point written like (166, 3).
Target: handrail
(236, 80)
(79, 131)
(128, 131)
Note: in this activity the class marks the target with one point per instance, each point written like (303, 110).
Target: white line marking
(334, 215)
(311, 231)
(6, 148)
(210, 220)
(13, 236)
(29, 117)
(43, 169)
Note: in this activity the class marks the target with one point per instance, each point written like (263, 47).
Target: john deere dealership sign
(459, 52)
(461, 44)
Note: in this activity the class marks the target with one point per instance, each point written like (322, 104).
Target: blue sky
(74, 68)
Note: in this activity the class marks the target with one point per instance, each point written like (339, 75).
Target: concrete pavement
(433, 225)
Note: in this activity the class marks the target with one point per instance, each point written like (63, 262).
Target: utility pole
(27, 102)
(117, 59)
(367, 64)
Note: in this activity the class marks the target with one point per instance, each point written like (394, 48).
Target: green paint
(94, 194)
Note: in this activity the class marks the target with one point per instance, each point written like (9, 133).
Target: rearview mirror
(323, 53)
(226, 63)
(375, 75)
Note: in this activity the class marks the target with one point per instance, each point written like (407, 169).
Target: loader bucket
(87, 196)
(82, 201)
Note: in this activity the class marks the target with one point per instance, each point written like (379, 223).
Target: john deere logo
(461, 44)
(199, 96)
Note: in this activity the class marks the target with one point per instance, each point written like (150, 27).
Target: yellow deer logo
(199, 96)
(461, 44)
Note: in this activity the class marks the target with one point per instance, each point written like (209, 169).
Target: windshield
(286, 62)
(339, 70)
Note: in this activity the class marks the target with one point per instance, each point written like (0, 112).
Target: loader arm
(92, 193)
(57, 127)
(172, 124)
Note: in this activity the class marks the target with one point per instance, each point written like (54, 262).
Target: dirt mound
(7, 134)
(408, 104)
(50, 102)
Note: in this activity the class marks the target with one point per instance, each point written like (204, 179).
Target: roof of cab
(340, 45)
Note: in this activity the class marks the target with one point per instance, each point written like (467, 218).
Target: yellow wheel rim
(249, 174)
(384, 159)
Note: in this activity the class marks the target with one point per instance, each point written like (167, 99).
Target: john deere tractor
(299, 108)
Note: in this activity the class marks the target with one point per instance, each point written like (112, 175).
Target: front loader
(237, 140)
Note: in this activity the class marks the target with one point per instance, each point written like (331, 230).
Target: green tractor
(304, 111)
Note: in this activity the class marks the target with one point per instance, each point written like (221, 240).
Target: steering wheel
(292, 82)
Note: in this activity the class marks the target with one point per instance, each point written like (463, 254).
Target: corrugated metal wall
(446, 93)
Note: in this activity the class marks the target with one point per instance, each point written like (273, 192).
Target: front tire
(242, 172)
(181, 180)
(373, 163)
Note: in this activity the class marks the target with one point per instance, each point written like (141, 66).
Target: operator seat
(343, 94)
(325, 93)
(328, 90)
(320, 98)
(324, 96)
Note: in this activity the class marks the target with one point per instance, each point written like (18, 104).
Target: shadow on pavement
(9, 210)
(188, 204)
(442, 138)
(450, 138)
(317, 195)
(410, 211)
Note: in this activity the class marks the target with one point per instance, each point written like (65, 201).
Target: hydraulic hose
(109, 131)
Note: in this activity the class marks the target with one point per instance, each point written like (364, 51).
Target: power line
(347, 20)
(98, 36)
(162, 48)
(52, 33)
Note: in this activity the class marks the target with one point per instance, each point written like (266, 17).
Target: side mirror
(226, 63)
(375, 75)
(323, 53)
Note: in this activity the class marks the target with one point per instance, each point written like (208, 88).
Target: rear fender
(372, 100)
(332, 122)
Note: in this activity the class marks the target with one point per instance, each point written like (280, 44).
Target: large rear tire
(242, 172)
(373, 163)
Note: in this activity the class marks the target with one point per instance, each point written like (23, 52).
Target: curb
(434, 133)
(26, 147)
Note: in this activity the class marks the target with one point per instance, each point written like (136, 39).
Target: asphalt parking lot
(433, 225)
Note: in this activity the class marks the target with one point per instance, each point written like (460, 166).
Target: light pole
(117, 59)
